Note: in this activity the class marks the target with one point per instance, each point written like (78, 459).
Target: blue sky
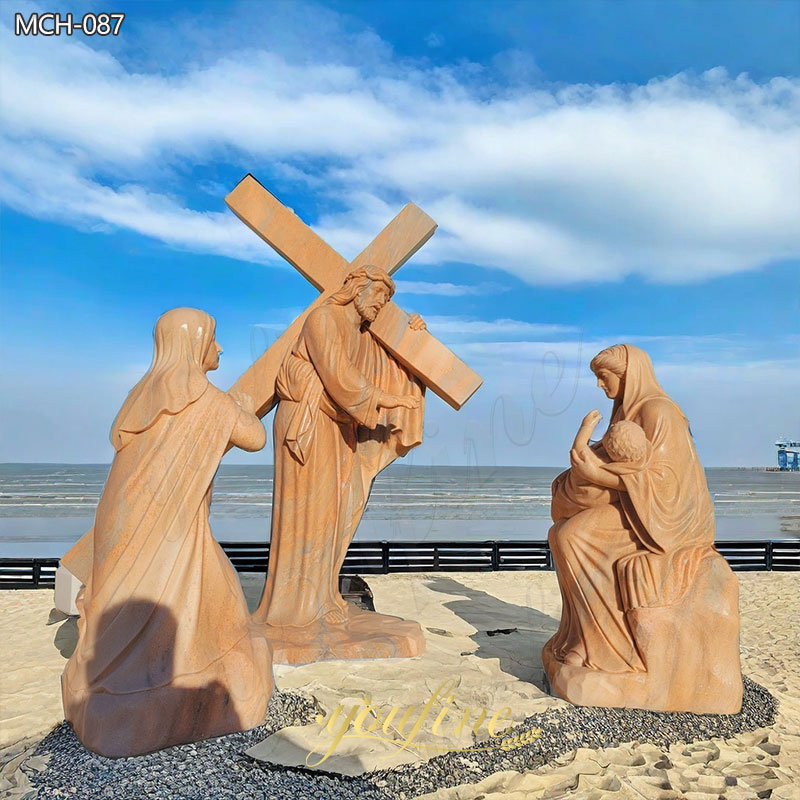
(600, 172)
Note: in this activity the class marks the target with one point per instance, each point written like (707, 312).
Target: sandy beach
(487, 630)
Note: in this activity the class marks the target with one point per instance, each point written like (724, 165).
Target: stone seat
(690, 650)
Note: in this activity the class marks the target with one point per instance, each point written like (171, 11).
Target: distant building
(788, 455)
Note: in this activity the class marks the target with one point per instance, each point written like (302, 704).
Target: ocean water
(44, 508)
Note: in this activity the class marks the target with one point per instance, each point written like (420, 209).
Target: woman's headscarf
(666, 500)
(640, 384)
(176, 377)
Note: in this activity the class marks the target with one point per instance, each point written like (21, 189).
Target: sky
(600, 172)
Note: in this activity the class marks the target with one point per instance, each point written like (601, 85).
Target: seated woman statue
(650, 608)
(165, 652)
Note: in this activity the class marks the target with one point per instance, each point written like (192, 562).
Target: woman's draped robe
(617, 551)
(165, 652)
(331, 440)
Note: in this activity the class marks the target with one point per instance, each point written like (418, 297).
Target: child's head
(625, 441)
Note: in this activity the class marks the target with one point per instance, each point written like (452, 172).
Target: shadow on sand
(511, 633)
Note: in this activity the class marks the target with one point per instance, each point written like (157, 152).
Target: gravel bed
(207, 770)
(60, 767)
(579, 726)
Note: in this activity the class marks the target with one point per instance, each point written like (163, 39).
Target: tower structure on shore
(788, 455)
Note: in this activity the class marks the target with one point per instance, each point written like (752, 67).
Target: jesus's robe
(331, 440)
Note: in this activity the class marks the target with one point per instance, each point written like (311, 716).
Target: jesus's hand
(416, 323)
(397, 401)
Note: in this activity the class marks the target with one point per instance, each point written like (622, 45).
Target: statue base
(690, 649)
(364, 634)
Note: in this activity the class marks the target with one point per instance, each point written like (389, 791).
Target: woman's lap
(586, 548)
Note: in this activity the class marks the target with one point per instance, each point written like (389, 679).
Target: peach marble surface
(166, 652)
(650, 609)
(347, 409)
(436, 365)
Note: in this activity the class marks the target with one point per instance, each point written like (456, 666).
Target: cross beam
(424, 355)
(438, 368)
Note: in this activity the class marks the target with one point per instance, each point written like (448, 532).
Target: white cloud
(459, 326)
(282, 318)
(44, 182)
(448, 289)
(678, 180)
(691, 352)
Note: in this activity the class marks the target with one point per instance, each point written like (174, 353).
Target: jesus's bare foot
(335, 616)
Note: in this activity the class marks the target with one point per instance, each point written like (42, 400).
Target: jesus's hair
(358, 279)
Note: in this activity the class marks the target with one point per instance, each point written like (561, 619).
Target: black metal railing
(778, 555)
(28, 573)
(375, 558)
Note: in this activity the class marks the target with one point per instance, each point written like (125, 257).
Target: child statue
(624, 443)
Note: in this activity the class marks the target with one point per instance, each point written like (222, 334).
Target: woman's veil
(176, 377)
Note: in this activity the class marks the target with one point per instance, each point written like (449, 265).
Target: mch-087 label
(52, 24)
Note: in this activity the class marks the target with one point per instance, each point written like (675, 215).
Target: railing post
(385, 557)
(550, 563)
(436, 557)
(495, 556)
(37, 572)
(769, 556)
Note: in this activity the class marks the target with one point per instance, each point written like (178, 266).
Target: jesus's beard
(367, 313)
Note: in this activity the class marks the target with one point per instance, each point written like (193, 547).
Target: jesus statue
(346, 410)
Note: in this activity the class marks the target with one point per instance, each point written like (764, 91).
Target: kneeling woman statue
(650, 608)
(165, 652)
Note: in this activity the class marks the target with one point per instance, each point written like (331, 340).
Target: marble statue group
(168, 652)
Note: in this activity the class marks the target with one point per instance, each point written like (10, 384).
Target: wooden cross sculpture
(302, 614)
(421, 353)
(436, 366)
